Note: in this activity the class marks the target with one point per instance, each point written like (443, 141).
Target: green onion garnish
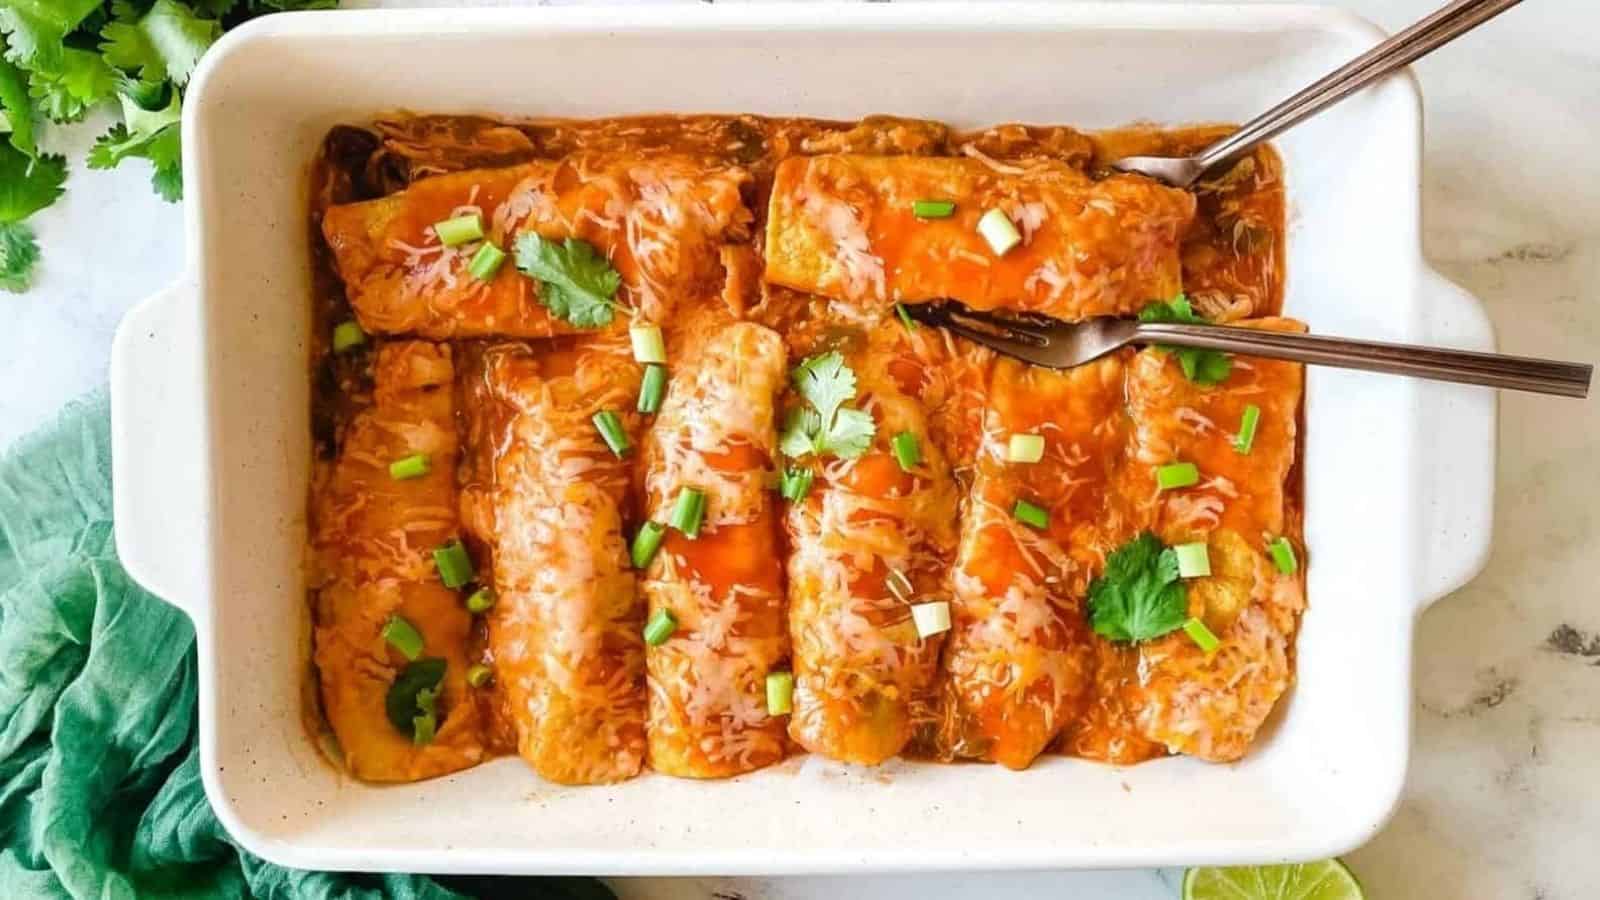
(1247, 428)
(403, 636)
(486, 262)
(899, 585)
(480, 601)
(459, 230)
(933, 209)
(454, 565)
(1025, 448)
(931, 618)
(648, 345)
(905, 317)
(659, 628)
(611, 431)
(645, 544)
(1201, 635)
(414, 466)
(479, 675)
(348, 336)
(652, 388)
(1194, 560)
(998, 229)
(1177, 475)
(907, 452)
(423, 728)
(794, 484)
(1028, 514)
(688, 512)
(1283, 557)
(780, 693)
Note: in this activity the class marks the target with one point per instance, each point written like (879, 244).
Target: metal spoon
(1401, 50)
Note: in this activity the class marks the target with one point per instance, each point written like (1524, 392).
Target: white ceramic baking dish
(212, 438)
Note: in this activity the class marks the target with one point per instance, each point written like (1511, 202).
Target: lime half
(1325, 880)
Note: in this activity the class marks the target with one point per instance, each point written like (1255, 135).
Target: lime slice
(1325, 880)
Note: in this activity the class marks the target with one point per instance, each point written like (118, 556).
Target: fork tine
(1031, 330)
(1003, 335)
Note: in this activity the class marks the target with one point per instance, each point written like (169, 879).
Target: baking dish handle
(158, 447)
(1456, 465)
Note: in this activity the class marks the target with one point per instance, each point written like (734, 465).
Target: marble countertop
(1503, 799)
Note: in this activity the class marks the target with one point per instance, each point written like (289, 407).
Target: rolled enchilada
(661, 222)
(721, 587)
(564, 632)
(374, 536)
(844, 227)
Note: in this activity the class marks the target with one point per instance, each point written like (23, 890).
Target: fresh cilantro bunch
(1199, 366)
(825, 425)
(1139, 597)
(576, 283)
(61, 58)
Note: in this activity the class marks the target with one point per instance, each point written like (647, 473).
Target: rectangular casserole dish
(212, 443)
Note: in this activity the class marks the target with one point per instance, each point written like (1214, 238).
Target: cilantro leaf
(28, 185)
(67, 87)
(826, 425)
(36, 30)
(17, 107)
(18, 253)
(165, 43)
(1199, 366)
(576, 283)
(850, 434)
(1140, 596)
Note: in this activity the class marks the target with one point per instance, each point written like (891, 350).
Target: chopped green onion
(659, 628)
(931, 618)
(648, 345)
(480, 601)
(688, 512)
(403, 636)
(1283, 557)
(1177, 475)
(780, 693)
(479, 675)
(423, 727)
(348, 336)
(905, 317)
(1025, 448)
(486, 262)
(1194, 560)
(1201, 635)
(899, 585)
(933, 209)
(414, 466)
(998, 229)
(454, 565)
(611, 431)
(795, 483)
(907, 452)
(1247, 428)
(460, 230)
(645, 544)
(1028, 514)
(652, 388)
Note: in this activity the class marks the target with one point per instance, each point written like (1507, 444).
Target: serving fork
(1399, 51)
(1060, 345)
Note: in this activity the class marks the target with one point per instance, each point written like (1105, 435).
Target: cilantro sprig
(1140, 595)
(825, 425)
(576, 283)
(1199, 366)
(59, 59)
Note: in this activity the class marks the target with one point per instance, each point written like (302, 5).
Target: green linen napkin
(100, 793)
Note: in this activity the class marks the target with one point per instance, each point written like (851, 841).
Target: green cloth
(100, 793)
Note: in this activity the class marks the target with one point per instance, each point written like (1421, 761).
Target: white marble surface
(1503, 799)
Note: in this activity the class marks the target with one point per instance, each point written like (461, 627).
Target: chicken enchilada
(629, 457)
